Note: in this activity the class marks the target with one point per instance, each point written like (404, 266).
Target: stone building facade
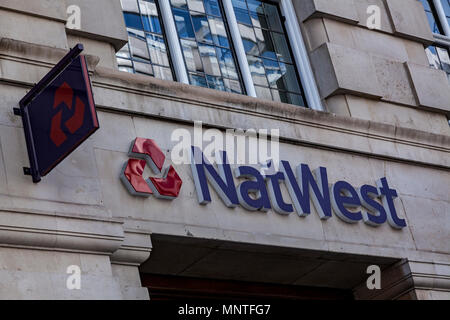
(376, 109)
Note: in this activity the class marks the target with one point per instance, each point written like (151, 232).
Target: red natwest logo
(64, 94)
(146, 152)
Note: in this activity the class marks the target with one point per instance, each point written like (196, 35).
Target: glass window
(146, 52)
(207, 48)
(268, 54)
(446, 5)
(205, 44)
(439, 58)
(432, 16)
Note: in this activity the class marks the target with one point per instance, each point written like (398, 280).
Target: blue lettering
(275, 195)
(222, 182)
(300, 194)
(378, 215)
(387, 197)
(344, 196)
(256, 185)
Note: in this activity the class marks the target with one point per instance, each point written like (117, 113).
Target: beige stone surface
(32, 29)
(400, 116)
(315, 32)
(340, 69)
(83, 209)
(394, 81)
(338, 105)
(416, 52)
(432, 295)
(409, 20)
(431, 87)
(104, 50)
(130, 283)
(50, 9)
(361, 8)
(409, 280)
(340, 33)
(75, 180)
(337, 9)
(101, 20)
(211, 107)
(39, 274)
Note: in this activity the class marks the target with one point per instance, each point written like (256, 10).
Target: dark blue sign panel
(60, 115)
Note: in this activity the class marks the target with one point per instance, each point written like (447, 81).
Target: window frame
(163, 36)
(231, 48)
(294, 63)
(440, 40)
(292, 32)
(442, 22)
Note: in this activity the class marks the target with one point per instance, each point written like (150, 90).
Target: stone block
(428, 223)
(341, 69)
(394, 81)
(338, 105)
(101, 20)
(431, 87)
(39, 274)
(340, 33)
(361, 8)
(32, 29)
(401, 116)
(409, 20)
(380, 44)
(101, 49)
(116, 134)
(53, 9)
(416, 53)
(343, 10)
(316, 34)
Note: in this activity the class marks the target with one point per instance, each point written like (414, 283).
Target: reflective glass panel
(446, 6)
(268, 53)
(146, 51)
(206, 45)
(439, 58)
(432, 16)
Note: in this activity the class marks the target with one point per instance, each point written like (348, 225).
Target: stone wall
(360, 71)
(385, 120)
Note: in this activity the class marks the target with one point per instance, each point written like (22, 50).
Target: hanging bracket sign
(58, 114)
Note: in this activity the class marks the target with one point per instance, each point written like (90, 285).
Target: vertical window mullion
(145, 33)
(442, 17)
(239, 48)
(173, 41)
(301, 56)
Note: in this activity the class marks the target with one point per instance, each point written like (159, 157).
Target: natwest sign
(58, 114)
(257, 191)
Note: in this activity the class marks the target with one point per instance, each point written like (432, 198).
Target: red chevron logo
(64, 94)
(146, 152)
